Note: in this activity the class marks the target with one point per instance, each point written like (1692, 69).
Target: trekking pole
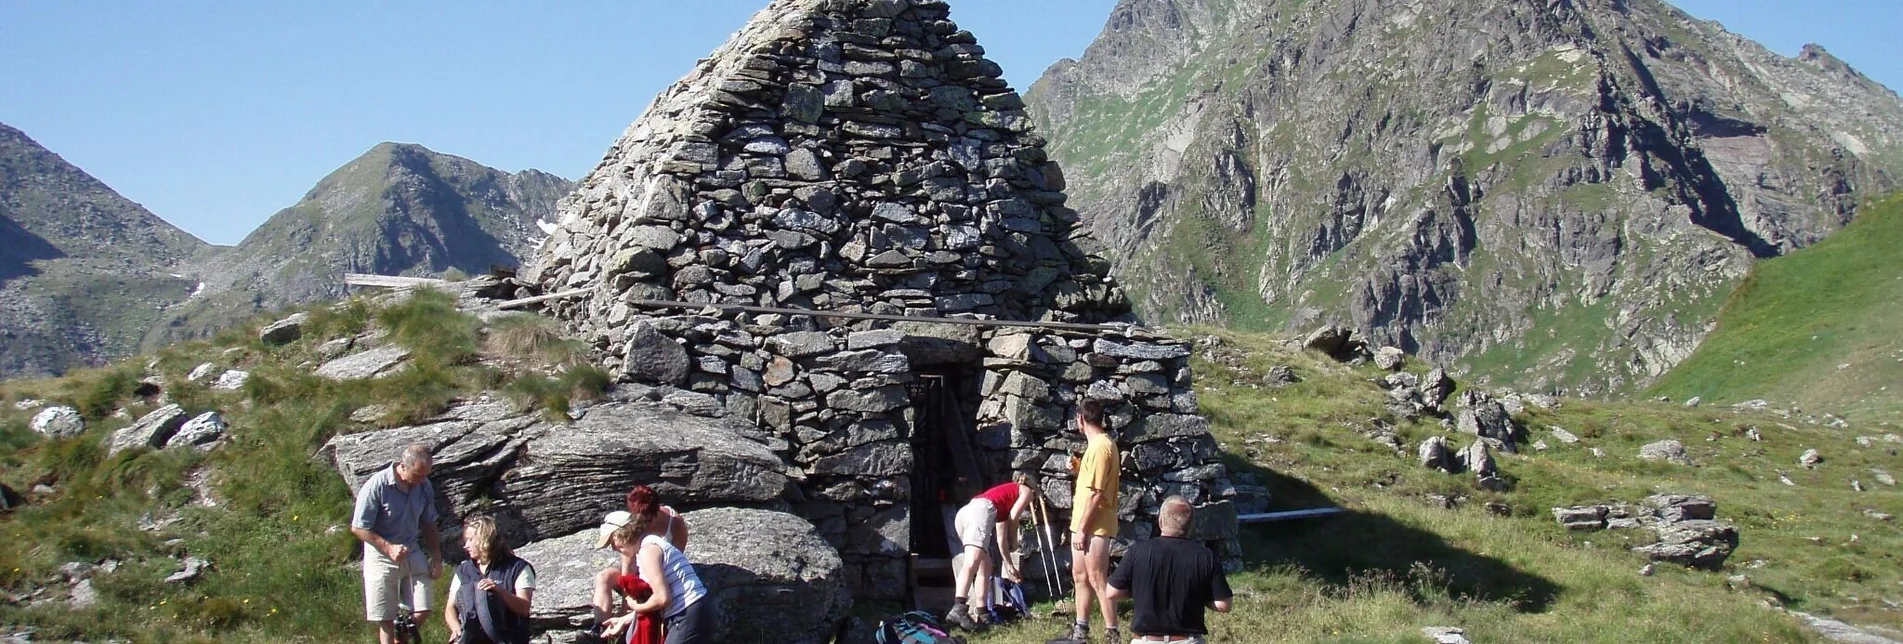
(1043, 549)
(1050, 540)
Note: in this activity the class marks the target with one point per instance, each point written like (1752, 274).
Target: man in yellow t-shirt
(1093, 523)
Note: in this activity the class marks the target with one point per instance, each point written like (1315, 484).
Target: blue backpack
(1006, 603)
(916, 627)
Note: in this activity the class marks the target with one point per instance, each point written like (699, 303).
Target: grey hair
(1173, 519)
(413, 455)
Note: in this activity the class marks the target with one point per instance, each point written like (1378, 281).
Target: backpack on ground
(1006, 603)
(916, 627)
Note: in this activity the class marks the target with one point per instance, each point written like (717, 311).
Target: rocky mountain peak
(1559, 193)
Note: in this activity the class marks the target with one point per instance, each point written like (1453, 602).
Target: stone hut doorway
(946, 472)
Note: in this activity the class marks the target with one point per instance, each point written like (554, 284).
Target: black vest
(484, 617)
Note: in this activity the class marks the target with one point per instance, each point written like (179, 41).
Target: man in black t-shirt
(1172, 580)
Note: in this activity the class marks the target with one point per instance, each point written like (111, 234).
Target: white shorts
(386, 586)
(976, 523)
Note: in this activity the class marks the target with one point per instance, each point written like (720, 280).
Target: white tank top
(683, 583)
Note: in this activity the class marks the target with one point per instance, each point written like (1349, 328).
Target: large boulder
(654, 357)
(1697, 543)
(151, 430)
(285, 331)
(1487, 418)
(546, 480)
(565, 569)
(201, 432)
(770, 576)
(1331, 340)
(58, 422)
(774, 578)
(1666, 450)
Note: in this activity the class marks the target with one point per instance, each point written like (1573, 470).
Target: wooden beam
(846, 315)
(388, 281)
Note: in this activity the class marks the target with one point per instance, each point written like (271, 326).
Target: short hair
(642, 504)
(414, 454)
(1091, 411)
(1173, 518)
(481, 530)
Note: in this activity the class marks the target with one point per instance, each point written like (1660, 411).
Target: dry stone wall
(863, 156)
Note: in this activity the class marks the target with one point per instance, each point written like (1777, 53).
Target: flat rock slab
(571, 475)
(368, 364)
(545, 480)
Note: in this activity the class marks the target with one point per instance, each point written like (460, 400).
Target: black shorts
(694, 625)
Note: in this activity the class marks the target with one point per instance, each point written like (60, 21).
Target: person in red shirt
(992, 514)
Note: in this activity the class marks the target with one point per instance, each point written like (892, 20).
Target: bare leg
(386, 632)
(604, 597)
(983, 577)
(1080, 582)
(962, 573)
(1098, 566)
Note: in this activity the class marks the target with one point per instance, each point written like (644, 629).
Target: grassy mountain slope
(400, 209)
(1821, 328)
(1554, 195)
(83, 271)
(1399, 559)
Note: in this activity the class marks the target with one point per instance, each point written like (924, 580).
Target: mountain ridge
(1558, 195)
(87, 275)
(397, 209)
(83, 270)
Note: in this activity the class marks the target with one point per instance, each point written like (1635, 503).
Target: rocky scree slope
(83, 271)
(1557, 194)
(400, 209)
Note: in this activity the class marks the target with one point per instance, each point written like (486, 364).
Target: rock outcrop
(551, 480)
(1688, 531)
(1551, 193)
(58, 422)
(152, 430)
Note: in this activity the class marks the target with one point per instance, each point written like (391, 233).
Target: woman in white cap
(677, 595)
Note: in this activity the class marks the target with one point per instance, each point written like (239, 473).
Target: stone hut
(863, 157)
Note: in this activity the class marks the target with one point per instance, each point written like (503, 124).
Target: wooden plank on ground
(387, 281)
(1266, 517)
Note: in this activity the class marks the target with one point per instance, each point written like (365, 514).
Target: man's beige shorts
(976, 523)
(386, 585)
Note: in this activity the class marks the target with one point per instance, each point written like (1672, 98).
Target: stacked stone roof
(864, 156)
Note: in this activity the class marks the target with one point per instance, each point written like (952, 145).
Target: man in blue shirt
(396, 520)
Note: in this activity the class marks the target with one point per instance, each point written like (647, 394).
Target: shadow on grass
(1355, 545)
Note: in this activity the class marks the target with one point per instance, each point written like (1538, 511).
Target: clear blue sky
(215, 115)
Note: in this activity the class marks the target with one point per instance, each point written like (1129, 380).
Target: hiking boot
(960, 616)
(1078, 634)
(1112, 635)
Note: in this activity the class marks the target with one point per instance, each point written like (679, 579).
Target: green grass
(1821, 327)
(1397, 561)
(285, 567)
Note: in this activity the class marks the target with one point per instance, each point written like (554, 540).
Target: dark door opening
(945, 474)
